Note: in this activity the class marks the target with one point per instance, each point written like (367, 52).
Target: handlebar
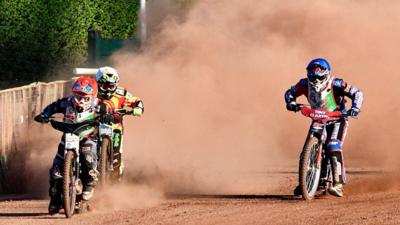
(123, 112)
(321, 114)
(75, 128)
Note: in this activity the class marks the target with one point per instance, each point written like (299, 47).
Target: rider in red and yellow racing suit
(115, 97)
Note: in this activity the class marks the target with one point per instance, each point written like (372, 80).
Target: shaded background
(44, 40)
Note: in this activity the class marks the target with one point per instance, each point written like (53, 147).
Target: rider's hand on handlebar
(107, 118)
(353, 112)
(41, 118)
(293, 106)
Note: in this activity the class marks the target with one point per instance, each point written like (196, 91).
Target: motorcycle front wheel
(69, 189)
(105, 150)
(310, 168)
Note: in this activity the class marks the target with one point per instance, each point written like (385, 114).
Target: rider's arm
(355, 94)
(135, 103)
(58, 106)
(295, 91)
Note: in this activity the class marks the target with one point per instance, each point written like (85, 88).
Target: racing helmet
(84, 92)
(107, 80)
(318, 73)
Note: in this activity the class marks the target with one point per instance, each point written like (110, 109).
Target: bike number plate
(105, 130)
(71, 141)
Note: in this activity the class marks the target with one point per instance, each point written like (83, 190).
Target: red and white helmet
(84, 93)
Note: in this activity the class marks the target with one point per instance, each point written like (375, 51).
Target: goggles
(316, 72)
(108, 86)
(315, 78)
(79, 88)
(82, 99)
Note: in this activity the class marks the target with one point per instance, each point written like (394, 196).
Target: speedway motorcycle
(106, 146)
(72, 182)
(313, 161)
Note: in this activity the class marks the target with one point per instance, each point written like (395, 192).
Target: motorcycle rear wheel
(309, 169)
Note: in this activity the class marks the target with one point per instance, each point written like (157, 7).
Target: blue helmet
(318, 72)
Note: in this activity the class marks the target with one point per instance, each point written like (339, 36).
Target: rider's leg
(89, 168)
(334, 152)
(118, 151)
(324, 174)
(55, 180)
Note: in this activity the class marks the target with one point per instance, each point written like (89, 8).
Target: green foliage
(38, 37)
(116, 20)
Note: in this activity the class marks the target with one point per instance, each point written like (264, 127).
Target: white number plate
(105, 130)
(71, 141)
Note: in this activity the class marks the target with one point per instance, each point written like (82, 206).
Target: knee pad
(117, 141)
(334, 146)
(90, 161)
(56, 170)
(92, 178)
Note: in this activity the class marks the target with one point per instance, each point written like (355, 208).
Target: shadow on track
(235, 196)
(23, 214)
(29, 215)
(19, 197)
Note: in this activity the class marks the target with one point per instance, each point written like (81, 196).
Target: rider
(116, 97)
(78, 107)
(326, 91)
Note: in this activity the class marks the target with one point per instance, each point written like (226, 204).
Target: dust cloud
(213, 86)
(212, 81)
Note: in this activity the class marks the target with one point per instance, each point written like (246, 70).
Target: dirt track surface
(361, 205)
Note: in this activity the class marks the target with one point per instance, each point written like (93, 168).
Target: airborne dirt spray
(213, 88)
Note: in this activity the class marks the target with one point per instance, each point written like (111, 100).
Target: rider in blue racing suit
(77, 108)
(328, 92)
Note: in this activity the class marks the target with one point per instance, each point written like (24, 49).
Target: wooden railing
(18, 106)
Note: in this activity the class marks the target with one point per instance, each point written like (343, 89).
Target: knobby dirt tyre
(69, 189)
(309, 169)
(104, 150)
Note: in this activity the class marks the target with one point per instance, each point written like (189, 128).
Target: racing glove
(353, 112)
(107, 118)
(293, 106)
(41, 118)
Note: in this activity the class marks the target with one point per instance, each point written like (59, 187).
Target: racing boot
(337, 188)
(54, 205)
(55, 198)
(297, 191)
(88, 192)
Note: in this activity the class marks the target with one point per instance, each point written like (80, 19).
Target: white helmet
(107, 79)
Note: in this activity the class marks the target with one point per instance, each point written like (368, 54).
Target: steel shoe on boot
(336, 190)
(87, 193)
(54, 205)
(297, 191)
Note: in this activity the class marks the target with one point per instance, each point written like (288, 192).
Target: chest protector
(322, 99)
(73, 116)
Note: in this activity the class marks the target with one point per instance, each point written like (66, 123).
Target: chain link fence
(18, 106)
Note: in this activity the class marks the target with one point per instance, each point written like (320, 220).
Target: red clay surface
(369, 199)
